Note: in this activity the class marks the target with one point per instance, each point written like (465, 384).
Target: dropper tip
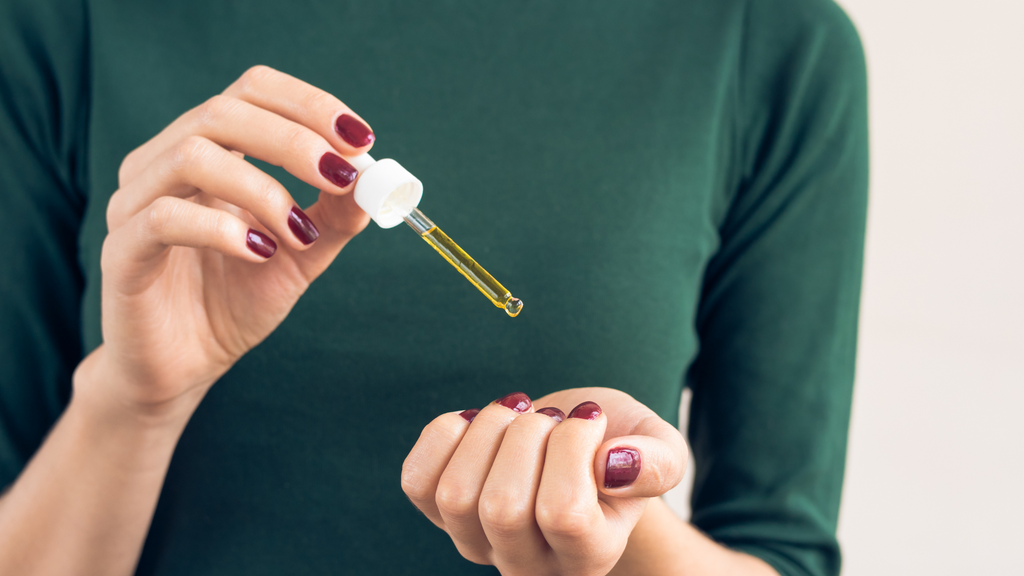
(513, 307)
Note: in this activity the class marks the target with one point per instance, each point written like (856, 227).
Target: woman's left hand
(534, 492)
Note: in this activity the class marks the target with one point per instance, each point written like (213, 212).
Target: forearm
(662, 544)
(83, 504)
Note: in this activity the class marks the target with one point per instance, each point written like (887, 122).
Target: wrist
(101, 393)
(111, 437)
(662, 543)
(657, 545)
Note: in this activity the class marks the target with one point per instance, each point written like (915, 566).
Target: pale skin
(184, 296)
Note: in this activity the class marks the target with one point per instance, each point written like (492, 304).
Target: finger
(338, 218)
(553, 412)
(199, 164)
(646, 464)
(240, 126)
(305, 104)
(509, 495)
(428, 458)
(134, 253)
(460, 486)
(568, 512)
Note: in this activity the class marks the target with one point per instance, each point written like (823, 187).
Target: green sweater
(676, 190)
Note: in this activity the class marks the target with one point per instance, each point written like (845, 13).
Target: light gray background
(934, 474)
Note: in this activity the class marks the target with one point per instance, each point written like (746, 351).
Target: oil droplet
(514, 306)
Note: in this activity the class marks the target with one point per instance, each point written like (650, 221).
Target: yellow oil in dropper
(457, 257)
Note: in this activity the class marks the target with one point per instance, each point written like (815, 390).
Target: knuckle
(298, 141)
(270, 194)
(563, 521)
(442, 431)
(254, 76)
(114, 209)
(213, 110)
(455, 500)
(128, 168)
(415, 486)
(160, 211)
(223, 224)
(504, 516)
(189, 153)
(317, 99)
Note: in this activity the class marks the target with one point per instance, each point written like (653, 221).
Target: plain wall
(935, 471)
(934, 477)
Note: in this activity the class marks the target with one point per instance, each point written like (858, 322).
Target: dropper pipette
(390, 194)
(464, 263)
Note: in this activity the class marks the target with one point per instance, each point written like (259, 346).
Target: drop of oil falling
(514, 306)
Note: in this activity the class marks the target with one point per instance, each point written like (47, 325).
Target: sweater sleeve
(42, 80)
(777, 322)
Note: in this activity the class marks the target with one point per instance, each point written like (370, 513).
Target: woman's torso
(581, 153)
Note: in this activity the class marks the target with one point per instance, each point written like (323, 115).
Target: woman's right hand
(206, 254)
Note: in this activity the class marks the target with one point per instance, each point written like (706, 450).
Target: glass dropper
(389, 194)
(457, 257)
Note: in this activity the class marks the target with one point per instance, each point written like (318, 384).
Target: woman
(646, 180)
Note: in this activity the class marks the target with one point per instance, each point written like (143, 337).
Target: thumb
(646, 464)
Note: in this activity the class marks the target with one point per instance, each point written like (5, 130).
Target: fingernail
(555, 413)
(260, 243)
(353, 131)
(469, 414)
(623, 467)
(302, 226)
(337, 170)
(586, 411)
(516, 401)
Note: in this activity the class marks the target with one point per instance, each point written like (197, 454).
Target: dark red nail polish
(555, 413)
(586, 411)
(337, 170)
(353, 131)
(623, 467)
(260, 243)
(470, 414)
(302, 226)
(516, 401)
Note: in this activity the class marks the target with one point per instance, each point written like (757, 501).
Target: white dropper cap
(385, 190)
